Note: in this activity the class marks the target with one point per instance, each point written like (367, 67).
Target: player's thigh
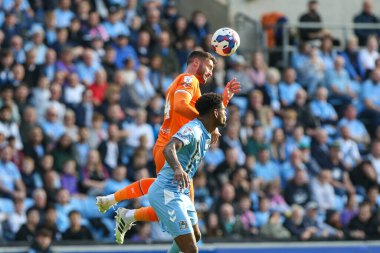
(171, 209)
(159, 158)
(194, 220)
(187, 243)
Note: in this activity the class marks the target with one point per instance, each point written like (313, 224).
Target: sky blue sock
(174, 248)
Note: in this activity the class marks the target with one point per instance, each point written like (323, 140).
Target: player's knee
(191, 248)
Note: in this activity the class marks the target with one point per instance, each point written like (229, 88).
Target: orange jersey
(178, 110)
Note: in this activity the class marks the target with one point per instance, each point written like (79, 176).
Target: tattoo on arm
(170, 153)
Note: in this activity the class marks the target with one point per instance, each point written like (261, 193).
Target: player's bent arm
(170, 154)
(182, 105)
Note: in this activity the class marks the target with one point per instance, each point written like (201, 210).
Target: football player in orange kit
(179, 109)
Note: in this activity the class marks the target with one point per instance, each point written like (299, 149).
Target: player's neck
(210, 126)
(190, 70)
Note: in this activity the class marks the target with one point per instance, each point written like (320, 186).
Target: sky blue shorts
(175, 210)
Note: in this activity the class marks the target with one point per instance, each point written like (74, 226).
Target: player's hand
(231, 88)
(215, 136)
(181, 178)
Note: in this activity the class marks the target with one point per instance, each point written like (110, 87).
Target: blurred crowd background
(82, 86)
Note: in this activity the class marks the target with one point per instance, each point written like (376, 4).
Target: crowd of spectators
(82, 88)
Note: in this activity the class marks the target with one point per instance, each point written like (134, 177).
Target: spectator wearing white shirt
(349, 149)
(374, 158)
(323, 191)
(55, 98)
(9, 127)
(18, 217)
(138, 129)
(370, 53)
(73, 92)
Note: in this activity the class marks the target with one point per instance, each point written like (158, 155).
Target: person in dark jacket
(76, 231)
(27, 231)
(366, 17)
(312, 16)
(364, 225)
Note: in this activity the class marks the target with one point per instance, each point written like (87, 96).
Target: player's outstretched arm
(231, 88)
(170, 153)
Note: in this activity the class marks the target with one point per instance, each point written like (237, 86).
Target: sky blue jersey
(196, 141)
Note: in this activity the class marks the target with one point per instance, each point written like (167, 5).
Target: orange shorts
(159, 158)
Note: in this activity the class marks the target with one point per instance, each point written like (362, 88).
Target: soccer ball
(225, 41)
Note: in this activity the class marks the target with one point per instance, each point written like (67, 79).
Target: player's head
(211, 108)
(203, 63)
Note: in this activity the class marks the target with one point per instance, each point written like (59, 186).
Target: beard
(201, 74)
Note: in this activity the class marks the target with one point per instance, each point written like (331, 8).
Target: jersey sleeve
(186, 135)
(187, 84)
(183, 95)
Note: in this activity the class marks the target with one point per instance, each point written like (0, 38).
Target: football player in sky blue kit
(169, 194)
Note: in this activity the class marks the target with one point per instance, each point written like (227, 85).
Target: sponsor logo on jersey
(183, 225)
(187, 81)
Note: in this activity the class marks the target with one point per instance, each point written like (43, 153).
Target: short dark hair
(73, 212)
(31, 209)
(200, 54)
(44, 231)
(208, 102)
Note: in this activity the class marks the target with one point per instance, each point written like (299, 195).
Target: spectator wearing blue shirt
(11, 185)
(324, 111)
(341, 88)
(288, 169)
(213, 157)
(288, 87)
(265, 169)
(114, 26)
(49, 68)
(63, 14)
(51, 125)
(117, 181)
(198, 27)
(262, 215)
(299, 60)
(371, 101)
(9, 4)
(124, 51)
(328, 52)
(37, 43)
(352, 60)
(356, 128)
(16, 46)
(50, 28)
(87, 68)
(64, 206)
(82, 147)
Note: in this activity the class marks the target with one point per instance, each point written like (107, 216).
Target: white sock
(130, 215)
(111, 198)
